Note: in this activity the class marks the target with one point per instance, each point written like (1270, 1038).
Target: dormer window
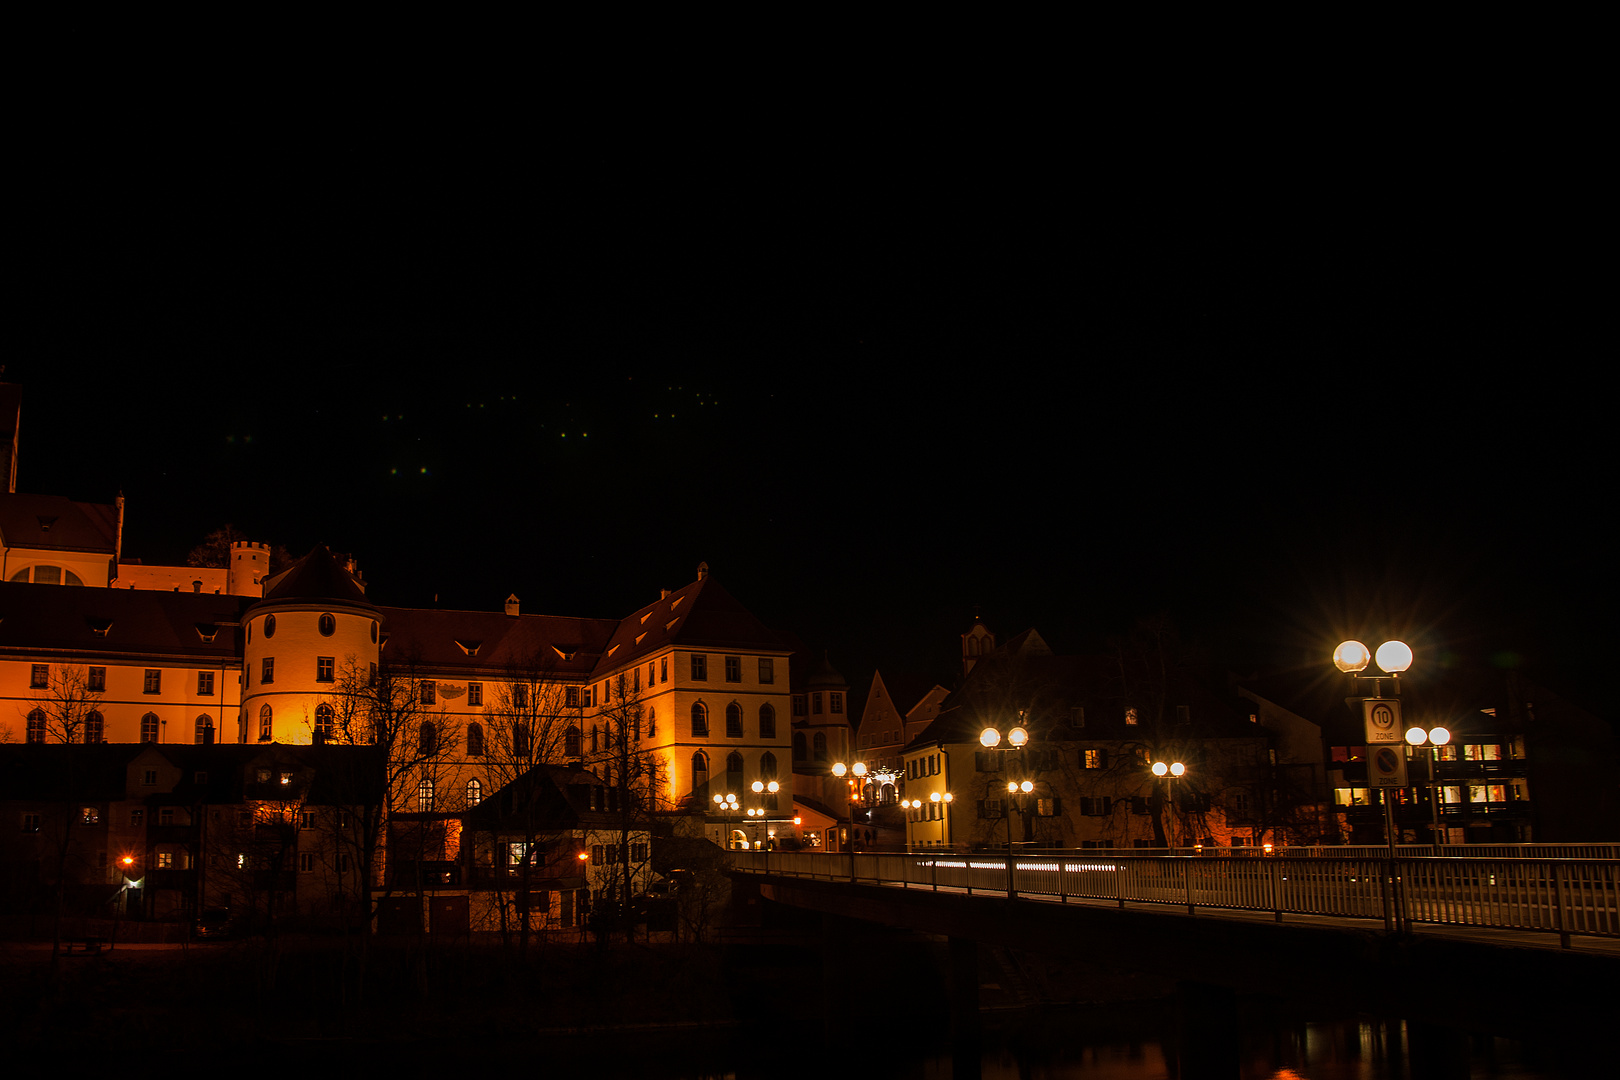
(100, 627)
(207, 632)
(469, 647)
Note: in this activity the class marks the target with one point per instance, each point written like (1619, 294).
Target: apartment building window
(700, 720)
(475, 694)
(325, 669)
(306, 863)
(990, 808)
(767, 670)
(1095, 759)
(165, 860)
(767, 721)
(154, 681)
(306, 819)
(149, 731)
(40, 678)
(89, 815)
(429, 693)
(1049, 807)
(36, 726)
(267, 670)
(733, 669)
(734, 724)
(264, 723)
(205, 684)
(98, 680)
(700, 668)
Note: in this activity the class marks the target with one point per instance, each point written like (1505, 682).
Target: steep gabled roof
(41, 619)
(703, 615)
(58, 523)
(495, 641)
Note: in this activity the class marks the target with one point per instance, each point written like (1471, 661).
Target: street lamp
(761, 788)
(726, 804)
(938, 801)
(1434, 738)
(858, 771)
(1386, 761)
(990, 739)
(1170, 773)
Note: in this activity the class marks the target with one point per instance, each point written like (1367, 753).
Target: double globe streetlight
(1393, 657)
(940, 800)
(1170, 773)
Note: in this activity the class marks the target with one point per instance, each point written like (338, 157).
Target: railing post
(1383, 894)
(1276, 890)
(1186, 880)
(1559, 918)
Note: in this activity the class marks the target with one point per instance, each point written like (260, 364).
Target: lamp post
(938, 801)
(1381, 716)
(761, 788)
(990, 739)
(857, 770)
(1434, 738)
(1170, 773)
(726, 804)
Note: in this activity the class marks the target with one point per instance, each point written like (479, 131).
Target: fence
(1563, 896)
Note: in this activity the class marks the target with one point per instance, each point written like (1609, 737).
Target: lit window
(165, 860)
(89, 815)
(1096, 759)
(424, 795)
(205, 684)
(733, 669)
(1130, 716)
(40, 678)
(475, 793)
(325, 669)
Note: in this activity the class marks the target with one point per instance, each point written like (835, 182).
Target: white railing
(1563, 896)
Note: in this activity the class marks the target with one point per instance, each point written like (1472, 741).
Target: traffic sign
(1386, 766)
(1382, 717)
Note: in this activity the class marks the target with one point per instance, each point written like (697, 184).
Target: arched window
(203, 730)
(475, 741)
(573, 743)
(149, 727)
(520, 741)
(424, 795)
(700, 770)
(48, 575)
(734, 721)
(264, 723)
(798, 746)
(475, 790)
(93, 727)
(325, 722)
(700, 720)
(427, 739)
(734, 772)
(767, 767)
(36, 726)
(767, 721)
(820, 743)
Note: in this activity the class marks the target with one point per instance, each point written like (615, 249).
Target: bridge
(1521, 942)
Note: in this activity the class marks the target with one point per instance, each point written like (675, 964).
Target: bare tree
(532, 719)
(635, 789)
(215, 550)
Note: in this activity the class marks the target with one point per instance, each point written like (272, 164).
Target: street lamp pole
(1175, 770)
(1434, 738)
(1386, 766)
(857, 770)
(990, 739)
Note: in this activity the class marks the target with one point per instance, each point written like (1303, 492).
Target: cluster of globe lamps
(1393, 657)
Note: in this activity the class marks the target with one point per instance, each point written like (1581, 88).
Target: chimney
(663, 594)
(703, 570)
(512, 605)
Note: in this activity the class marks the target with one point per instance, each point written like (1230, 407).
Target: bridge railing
(1563, 896)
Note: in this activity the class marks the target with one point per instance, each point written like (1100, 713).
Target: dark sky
(1278, 392)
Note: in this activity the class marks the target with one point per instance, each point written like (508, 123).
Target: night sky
(1276, 392)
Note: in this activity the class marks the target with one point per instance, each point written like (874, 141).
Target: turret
(249, 566)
